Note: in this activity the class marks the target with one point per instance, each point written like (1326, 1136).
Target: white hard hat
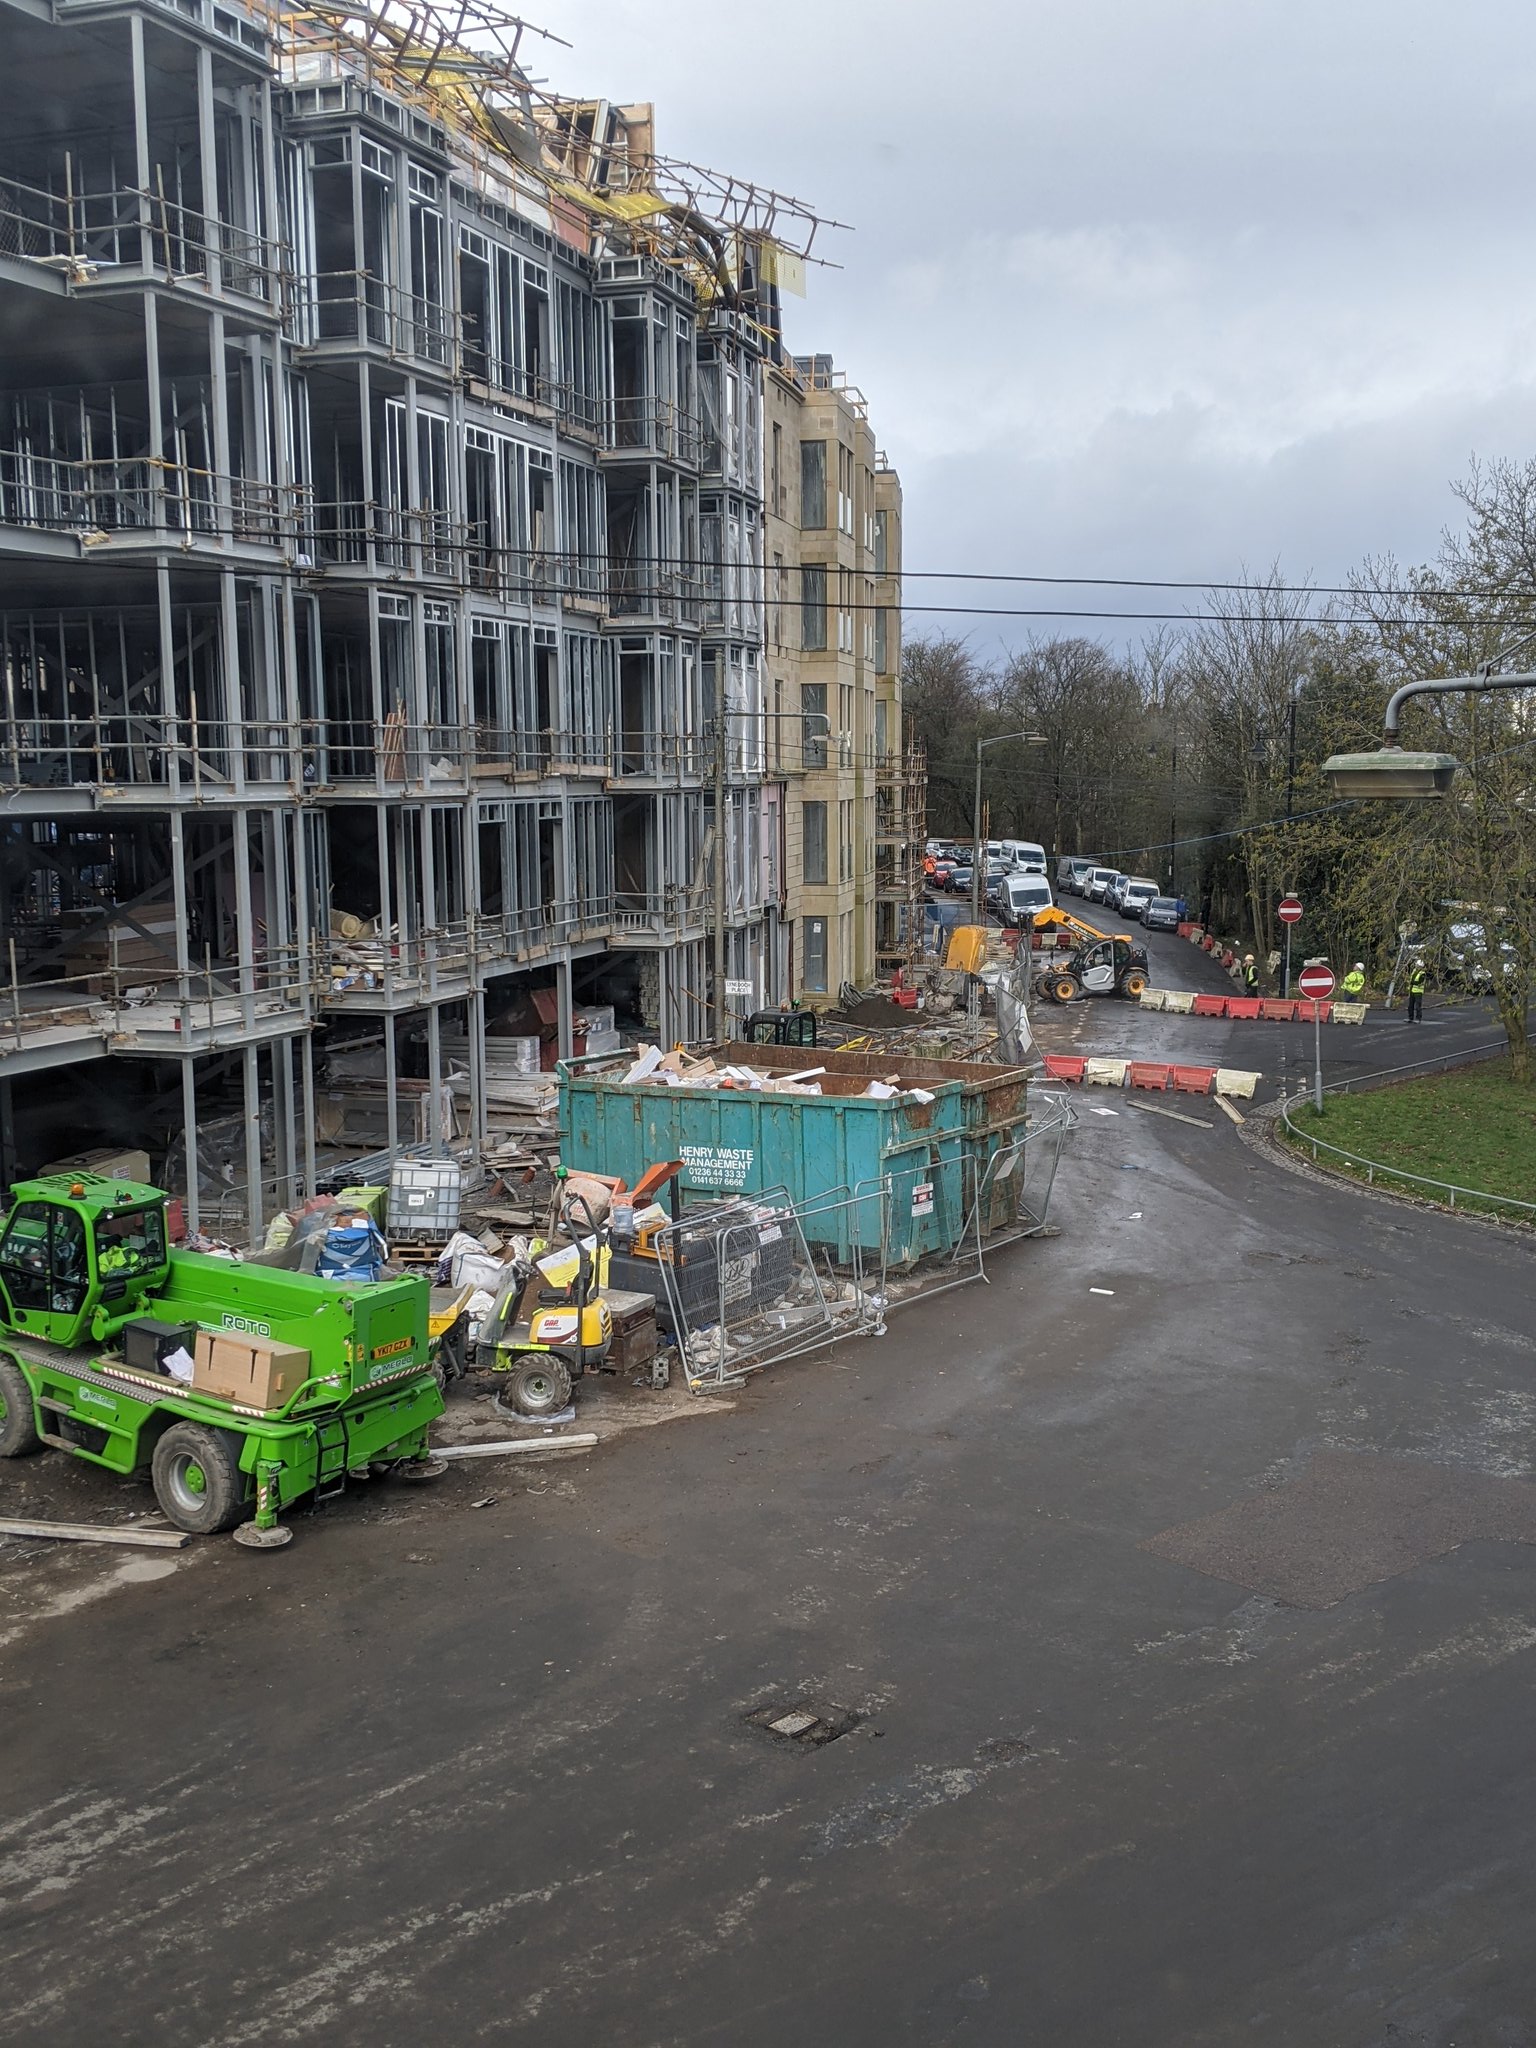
(1359, 967)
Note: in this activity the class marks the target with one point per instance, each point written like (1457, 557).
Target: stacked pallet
(522, 1105)
(142, 951)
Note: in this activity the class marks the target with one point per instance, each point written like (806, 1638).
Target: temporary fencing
(769, 1278)
(751, 1291)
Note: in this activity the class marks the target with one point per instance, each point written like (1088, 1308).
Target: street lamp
(1392, 772)
(1262, 752)
(1032, 739)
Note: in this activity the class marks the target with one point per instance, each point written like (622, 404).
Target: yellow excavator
(1100, 964)
(1054, 918)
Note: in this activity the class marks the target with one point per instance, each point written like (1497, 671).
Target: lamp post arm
(1444, 686)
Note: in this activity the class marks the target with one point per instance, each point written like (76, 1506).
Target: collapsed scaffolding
(460, 61)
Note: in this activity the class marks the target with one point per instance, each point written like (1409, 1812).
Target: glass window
(813, 607)
(69, 1274)
(130, 1241)
(813, 842)
(813, 703)
(24, 1255)
(814, 950)
(813, 483)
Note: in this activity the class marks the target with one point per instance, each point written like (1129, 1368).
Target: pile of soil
(879, 1013)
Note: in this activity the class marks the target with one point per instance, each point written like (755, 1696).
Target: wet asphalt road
(461, 1775)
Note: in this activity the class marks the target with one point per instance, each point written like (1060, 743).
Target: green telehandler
(94, 1301)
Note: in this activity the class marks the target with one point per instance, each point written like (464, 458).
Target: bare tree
(945, 692)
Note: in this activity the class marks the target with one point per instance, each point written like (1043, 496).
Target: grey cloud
(1138, 286)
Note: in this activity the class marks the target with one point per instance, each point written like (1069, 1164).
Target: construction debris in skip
(680, 1069)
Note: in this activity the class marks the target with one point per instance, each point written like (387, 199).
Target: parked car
(1136, 895)
(1025, 856)
(1466, 955)
(1116, 890)
(1021, 896)
(942, 870)
(959, 883)
(1072, 874)
(1096, 882)
(1162, 913)
(997, 873)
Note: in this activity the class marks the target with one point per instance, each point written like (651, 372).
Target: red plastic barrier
(1187, 930)
(1304, 1011)
(1144, 1074)
(1228, 957)
(1207, 943)
(1193, 1080)
(1277, 1010)
(1211, 1006)
(1062, 1066)
(1244, 1006)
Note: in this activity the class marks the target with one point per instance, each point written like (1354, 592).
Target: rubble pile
(656, 1069)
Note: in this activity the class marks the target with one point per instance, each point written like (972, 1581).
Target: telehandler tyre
(1062, 987)
(198, 1481)
(18, 1419)
(1134, 985)
(537, 1383)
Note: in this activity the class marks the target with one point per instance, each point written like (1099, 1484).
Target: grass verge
(1473, 1127)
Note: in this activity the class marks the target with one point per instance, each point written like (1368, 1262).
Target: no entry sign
(1316, 982)
(1289, 911)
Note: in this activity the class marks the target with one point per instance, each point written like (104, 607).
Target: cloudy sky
(1141, 288)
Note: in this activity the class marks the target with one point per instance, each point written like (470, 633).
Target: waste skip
(915, 1155)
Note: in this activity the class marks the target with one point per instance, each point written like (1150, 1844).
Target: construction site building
(382, 533)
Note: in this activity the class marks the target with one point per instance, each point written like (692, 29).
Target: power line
(546, 575)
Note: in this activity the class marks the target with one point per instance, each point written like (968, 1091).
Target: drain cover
(792, 1724)
(803, 1724)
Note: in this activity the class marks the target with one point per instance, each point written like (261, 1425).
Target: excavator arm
(1054, 917)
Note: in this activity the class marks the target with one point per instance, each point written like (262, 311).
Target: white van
(1020, 896)
(1025, 854)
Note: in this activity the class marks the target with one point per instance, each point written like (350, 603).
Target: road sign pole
(1288, 910)
(1316, 984)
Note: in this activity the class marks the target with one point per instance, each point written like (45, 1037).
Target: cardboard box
(258, 1372)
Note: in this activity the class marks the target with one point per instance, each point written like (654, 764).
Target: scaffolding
(901, 827)
(381, 511)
